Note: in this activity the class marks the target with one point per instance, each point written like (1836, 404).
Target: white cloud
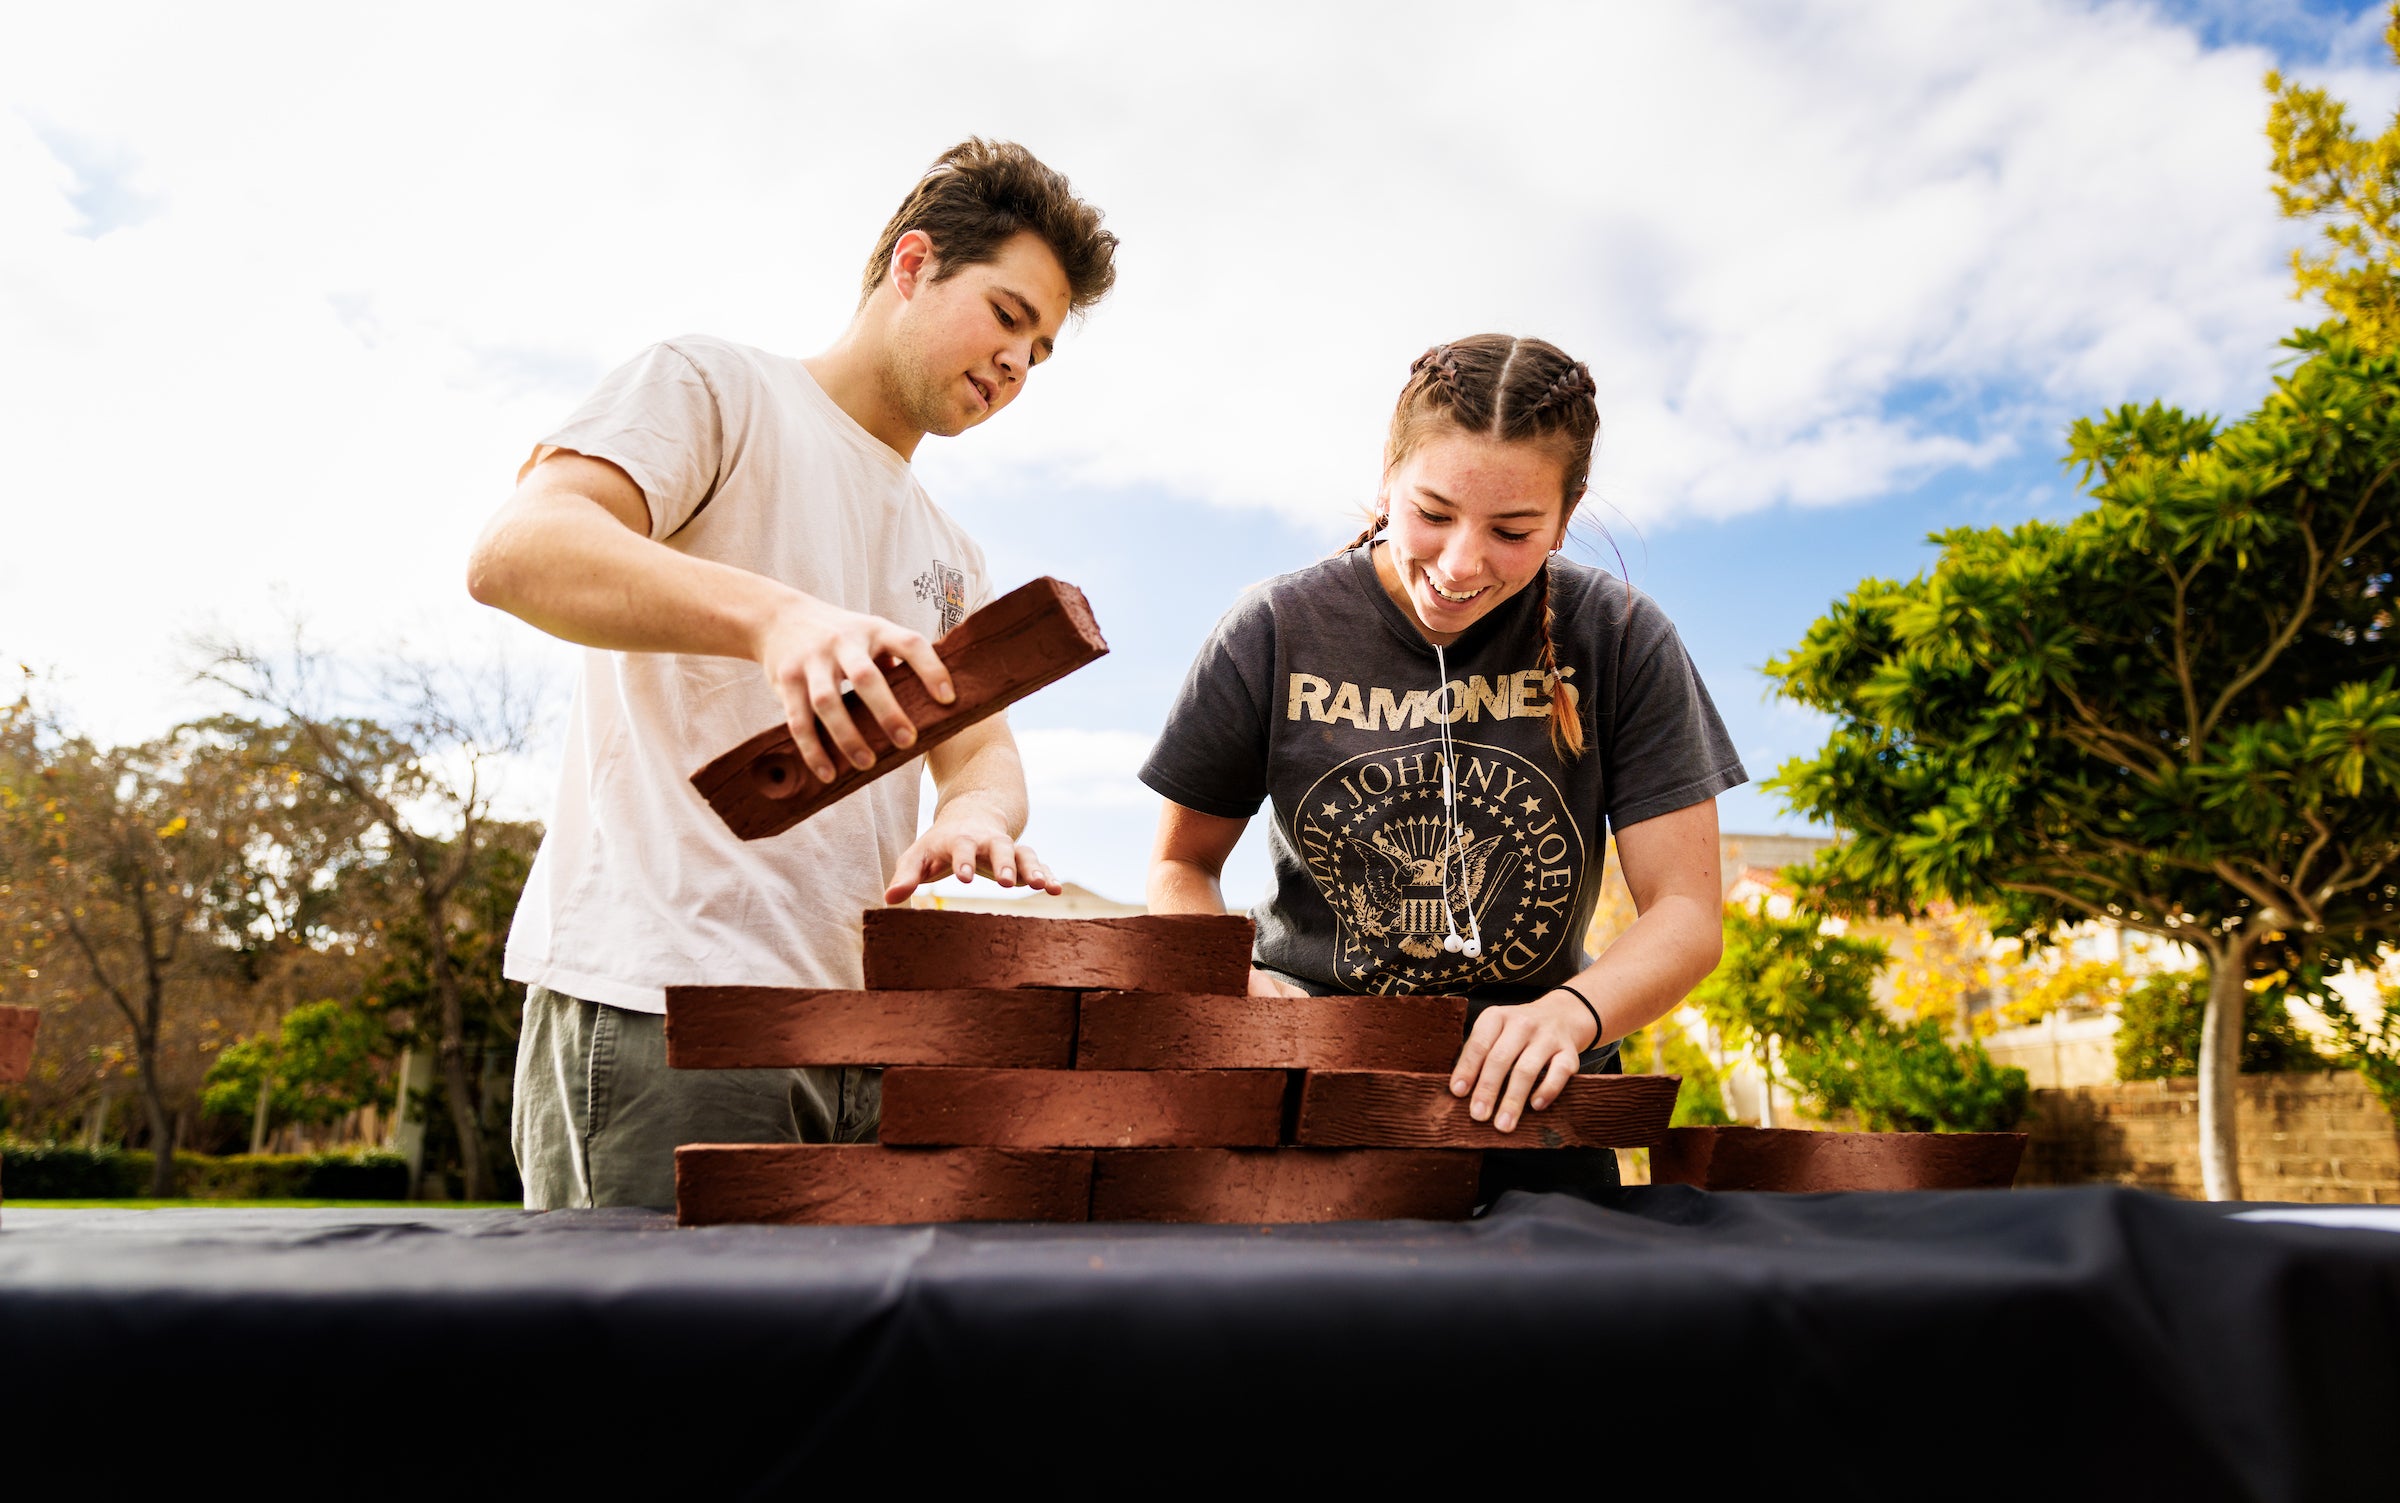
(1083, 769)
(286, 291)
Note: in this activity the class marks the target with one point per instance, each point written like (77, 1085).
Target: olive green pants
(598, 1115)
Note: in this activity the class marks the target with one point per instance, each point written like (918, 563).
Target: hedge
(57, 1171)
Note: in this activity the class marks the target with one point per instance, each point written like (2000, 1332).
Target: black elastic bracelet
(1599, 1029)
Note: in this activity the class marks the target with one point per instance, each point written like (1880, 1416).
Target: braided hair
(1511, 390)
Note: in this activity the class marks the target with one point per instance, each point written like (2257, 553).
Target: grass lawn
(250, 1205)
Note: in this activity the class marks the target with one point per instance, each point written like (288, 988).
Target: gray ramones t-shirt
(1318, 692)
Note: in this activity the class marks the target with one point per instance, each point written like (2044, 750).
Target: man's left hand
(963, 841)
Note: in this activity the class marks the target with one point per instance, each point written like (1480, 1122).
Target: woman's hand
(1519, 1056)
(1264, 985)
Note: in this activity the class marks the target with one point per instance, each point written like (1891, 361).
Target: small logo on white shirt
(948, 587)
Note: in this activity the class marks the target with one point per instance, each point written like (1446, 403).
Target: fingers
(825, 701)
(802, 722)
(1532, 1063)
(912, 648)
(905, 877)
(1564, 1066)
(1480, 1040)
(963, 853)
(867, 680)
(1030, 870)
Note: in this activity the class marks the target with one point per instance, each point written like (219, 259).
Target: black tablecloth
(2065, 1342)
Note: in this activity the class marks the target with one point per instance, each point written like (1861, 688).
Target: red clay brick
(1084, 1108)
(913, 948)
(1276, 1185)
(1379, 1108)
(1763, 1158)
(16, 1042)
(1171, 1031)
(865, 1184)
(769, 1027)
(1030, 637)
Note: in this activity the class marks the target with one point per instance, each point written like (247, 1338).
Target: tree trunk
(1766, 1081)
(453, 1050)
(2220, 1072)
(162, 1128)
(258, 1114)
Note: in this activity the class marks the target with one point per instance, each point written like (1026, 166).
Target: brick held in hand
(1030, 637)
(923, 948)
(776, 1027)
(1280, 1185)
(1084, 1108)
(16, 1042)
(1380, 1108)
(1804, 1159)
(1181, 1030)
(866, 1184)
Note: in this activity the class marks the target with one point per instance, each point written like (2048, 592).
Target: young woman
(1446, 716)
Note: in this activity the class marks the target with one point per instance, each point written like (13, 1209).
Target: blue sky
(289, 290)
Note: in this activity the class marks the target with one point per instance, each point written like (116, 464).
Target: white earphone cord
(1472, 945)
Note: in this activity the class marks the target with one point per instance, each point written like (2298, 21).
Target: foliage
(2324, 171)
(1898, 1078)
(2071, 982)
(2158, 1030)
(1944, 967)
(2372, 1049)
(324, 1063)
(1664, 1049)
(58, 1171)
(294, 1176)
(1783, 977)
(490, 1006)
(2178, 712)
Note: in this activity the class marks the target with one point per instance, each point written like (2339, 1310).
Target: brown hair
(977, 196)
(1517, 391)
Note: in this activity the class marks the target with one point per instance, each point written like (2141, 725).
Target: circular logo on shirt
(1402, 870)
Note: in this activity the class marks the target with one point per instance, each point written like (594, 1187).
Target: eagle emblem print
(1400, 874)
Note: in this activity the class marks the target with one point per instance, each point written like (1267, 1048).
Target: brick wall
(2316, 1137)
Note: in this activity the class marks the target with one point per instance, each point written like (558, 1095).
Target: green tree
(324, 1062)
(490, 1005)
(2324, 171)
(1783, 979)
(2371, 1048)
(2158, 1030)
(1898, 1077)
(119, 849)
(422, 776)
(2178, 712)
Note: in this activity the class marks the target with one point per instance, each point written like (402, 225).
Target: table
(2071, 1342)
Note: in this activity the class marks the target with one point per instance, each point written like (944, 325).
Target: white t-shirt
(639, 885)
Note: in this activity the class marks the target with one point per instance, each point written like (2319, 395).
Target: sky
(288, 292)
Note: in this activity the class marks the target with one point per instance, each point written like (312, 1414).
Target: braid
(1566, 713)
(1439, 367)
(1574, 384)
(1374, 526)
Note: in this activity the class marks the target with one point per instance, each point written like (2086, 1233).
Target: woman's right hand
(1266, 984)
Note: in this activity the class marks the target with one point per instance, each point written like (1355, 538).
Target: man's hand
(809, 648)
(1264, 985)
(966, 838)
(1520, 1056)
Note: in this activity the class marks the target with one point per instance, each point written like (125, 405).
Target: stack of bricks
(1112, 1070)
(16, 1042)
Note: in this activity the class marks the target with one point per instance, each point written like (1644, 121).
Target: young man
(733, 535)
